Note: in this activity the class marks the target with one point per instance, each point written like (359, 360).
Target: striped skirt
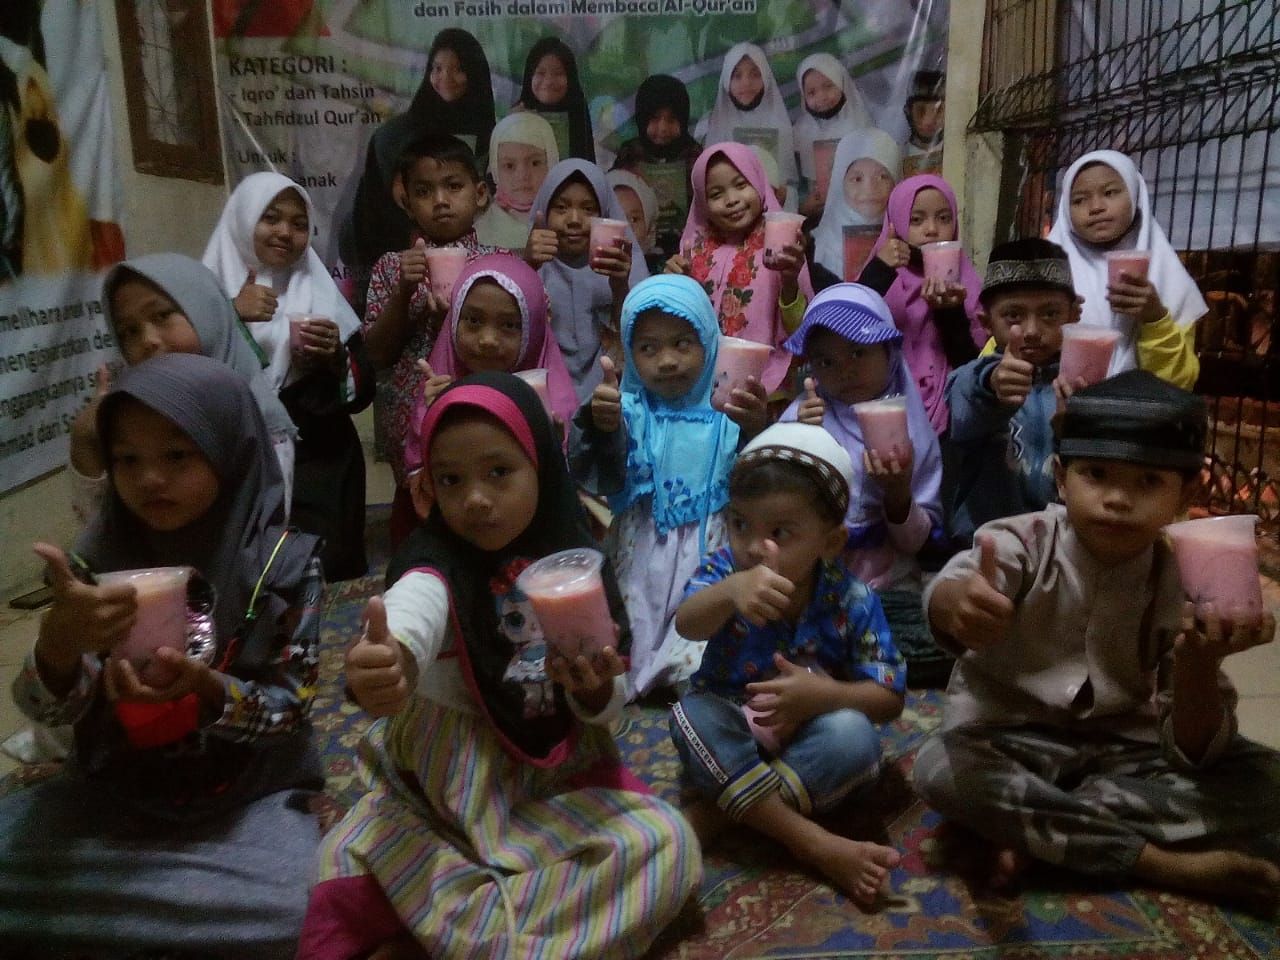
(485, 856)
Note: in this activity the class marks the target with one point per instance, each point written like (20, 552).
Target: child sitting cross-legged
(799, 662)
(1088, 723)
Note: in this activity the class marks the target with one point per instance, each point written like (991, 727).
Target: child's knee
(932, 777)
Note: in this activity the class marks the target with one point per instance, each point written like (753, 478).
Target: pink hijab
(921, 341)
(538, 347)
(742, 289)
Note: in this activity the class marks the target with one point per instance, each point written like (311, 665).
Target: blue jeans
(830, 756)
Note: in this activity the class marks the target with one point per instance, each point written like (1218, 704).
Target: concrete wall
(159, 214)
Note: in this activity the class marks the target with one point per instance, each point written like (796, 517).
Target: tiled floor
(1256, 673)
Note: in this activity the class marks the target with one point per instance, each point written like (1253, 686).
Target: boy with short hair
(1002, 404)
(437, 185)
(1088, 723)
(793, 633)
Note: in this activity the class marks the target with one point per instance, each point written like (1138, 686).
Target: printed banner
(59, 227)
(304, 84)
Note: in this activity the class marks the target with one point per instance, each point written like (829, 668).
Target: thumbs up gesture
(434, 384)
(760, 593)
(413, 267)
(380, 672)
(543, 243)
(84, 618)
(606, 399)
(1012, 378)
(974, 610)
(896, 252)
(255, 303)
(811, 409)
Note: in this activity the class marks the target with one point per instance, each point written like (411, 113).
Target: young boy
(797, 637)
(437, 185)
(1002, 403)
(1088, 723)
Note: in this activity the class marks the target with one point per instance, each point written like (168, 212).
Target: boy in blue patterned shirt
(799, 662)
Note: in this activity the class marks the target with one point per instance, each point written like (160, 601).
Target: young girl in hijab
(1104, 207)
(552, 89)
(181, 819)
(939, 322)
(867, 165)
(455, 97)
(749, 109)
(854, 353)
(831, 108)
(662, 455)
(723, 249)
(499, 820)
(499, 322)
(167, 303)
(522, 150)
(663, 154)
(586, 287)
(260, 251)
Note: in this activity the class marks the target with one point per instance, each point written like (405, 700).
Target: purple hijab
(921, 339)
(861, 315)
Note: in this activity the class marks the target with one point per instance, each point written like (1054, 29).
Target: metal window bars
(1190, 89)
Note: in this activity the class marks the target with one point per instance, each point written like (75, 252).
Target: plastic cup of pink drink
(1086, 353)
(537, 378)
(765, 736)
(736, 360)
(567, 596)
(607, 233)
(884, 426)
(161, 618)
(1136, 263)
(1218, 564)
(444, 264)
(942, 260)
(780, 228)
(297, 324)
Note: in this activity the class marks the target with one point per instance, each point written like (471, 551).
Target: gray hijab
(232, 543)
(197, 292)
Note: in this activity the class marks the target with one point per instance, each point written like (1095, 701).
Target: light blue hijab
(679, 452)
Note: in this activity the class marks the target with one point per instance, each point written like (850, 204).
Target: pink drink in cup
(567, 596)
(161, 620)
(444, 264)
(884, 426)
(942, 260)
(1218, 563)
(736, 360)
(780, 229)
(537, 378)
(1086, 352)
(298, 323)
(765, 736)
(606, 233)
(1135, 263)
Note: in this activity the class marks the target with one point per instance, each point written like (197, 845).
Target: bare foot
(1221, 875)
(1007, 869)
(859, 868)
(401, 948)
(708, 821)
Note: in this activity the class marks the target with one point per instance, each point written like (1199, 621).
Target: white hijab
(852, 116)
(1177, 290)
(304, 287)
(828, 235)
(648, 201)
(725, 117)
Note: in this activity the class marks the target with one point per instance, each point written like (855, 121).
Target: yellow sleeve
(988, 348)
(1168, 350)
(793, 312)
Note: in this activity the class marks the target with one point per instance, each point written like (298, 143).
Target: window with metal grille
(168, 76)
(1190, 89)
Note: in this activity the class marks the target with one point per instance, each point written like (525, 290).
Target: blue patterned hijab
(679, 452)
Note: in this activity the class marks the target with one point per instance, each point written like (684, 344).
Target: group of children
(766, 578)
